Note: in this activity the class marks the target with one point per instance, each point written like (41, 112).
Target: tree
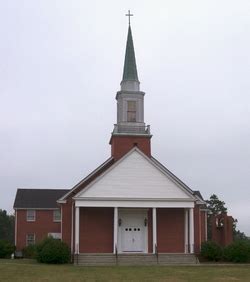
(237, 234)
(215, 207)
(7, 223)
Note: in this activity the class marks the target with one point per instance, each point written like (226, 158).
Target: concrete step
(95, 259)
(134, 259)
(165, 259)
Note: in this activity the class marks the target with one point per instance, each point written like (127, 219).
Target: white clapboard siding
(134, 177)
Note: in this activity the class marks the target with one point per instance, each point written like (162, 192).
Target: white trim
(154, 223)
(186, 230)
(115, 229)
(77, 223)
(36, 209)
(133, 199)
(191, 230)
(61, 201)
(134, 204)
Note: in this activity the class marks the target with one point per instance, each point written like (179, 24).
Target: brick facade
(42, 225)
(150, 231)
(67, 223)
(170, 230)
(120, 145)
(96, 230)
(222, 229)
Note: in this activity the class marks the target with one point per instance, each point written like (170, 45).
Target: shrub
(238, 251)
(29, 251)
(53, 251)
(211, 251)
(6, 249)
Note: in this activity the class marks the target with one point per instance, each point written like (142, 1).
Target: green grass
(28, 270)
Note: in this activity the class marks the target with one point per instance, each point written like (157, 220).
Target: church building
(129, 205)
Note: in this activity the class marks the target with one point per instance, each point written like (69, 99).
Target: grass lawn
(28, 270)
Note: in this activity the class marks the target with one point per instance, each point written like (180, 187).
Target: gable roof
(38, 198)
(88, 179)
(136, 175)
(171, 175)
(196, 193)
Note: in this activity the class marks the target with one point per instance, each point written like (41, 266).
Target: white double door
(132, 231)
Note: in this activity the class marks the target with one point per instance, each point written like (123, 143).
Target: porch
(132, 231)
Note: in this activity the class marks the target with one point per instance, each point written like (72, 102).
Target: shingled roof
(38, 198)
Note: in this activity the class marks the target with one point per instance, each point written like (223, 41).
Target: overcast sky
(60, 67)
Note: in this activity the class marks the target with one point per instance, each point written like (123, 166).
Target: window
(30, 239)
(55, 235)
(31, 215)
(131, 111)
(57, 215)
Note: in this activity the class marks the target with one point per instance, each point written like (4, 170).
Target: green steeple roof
(129, 70)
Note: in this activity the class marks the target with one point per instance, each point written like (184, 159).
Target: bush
(6, 249)
(53, 251)
(211, 251)
(29, 251)
(238, 251)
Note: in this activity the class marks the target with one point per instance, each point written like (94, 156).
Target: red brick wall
(120, 145)
(197, 229)
(43, 225)
(203, 227)
(96, 230)
(150, 232)
(67, 222)
(170, 230)
(223, 232)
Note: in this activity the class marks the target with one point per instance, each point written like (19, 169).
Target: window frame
(55, 235)
(29, 217)
(131, 110)
(30, 242)
(55, 219)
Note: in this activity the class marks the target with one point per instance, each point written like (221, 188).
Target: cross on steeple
(129, 15)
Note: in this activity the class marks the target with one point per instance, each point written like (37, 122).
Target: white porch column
(115, 229)
(191, 230)
(186, 230)
(77, 223)
(154, 230)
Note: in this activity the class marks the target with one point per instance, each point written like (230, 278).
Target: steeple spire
(130, 80)
(129, 69)
(130, 129)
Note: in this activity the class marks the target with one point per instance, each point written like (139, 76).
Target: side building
(37, 215)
